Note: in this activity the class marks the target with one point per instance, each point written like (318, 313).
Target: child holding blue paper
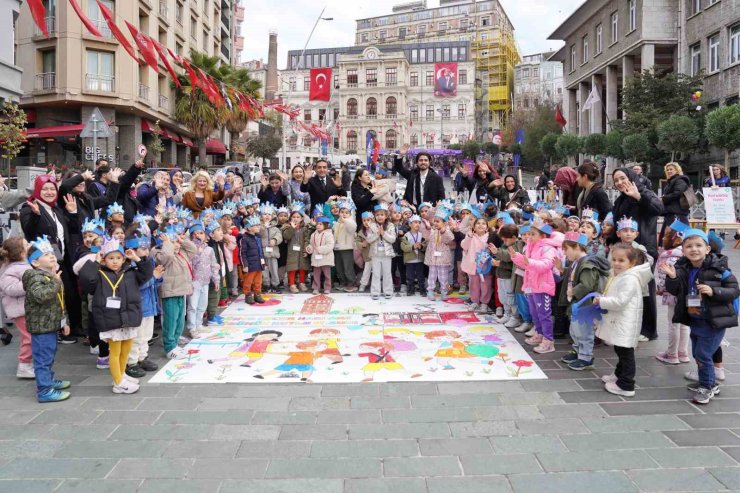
(481, 283)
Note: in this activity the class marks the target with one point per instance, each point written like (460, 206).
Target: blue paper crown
(424, 204)
(114, 208)
(595, 224)
(195, 226)
(380, 207)
(253, 221)
(576, 238)
(267, 209)
(111, 245)
(506, 217)
(527, 216)
(414, 218)
(524, 229)
(542, 227)
(609, 219)
(442, 213)
(323, 219)
(715, 239)
(143, 222)
(366, 215)
(183, 213)
(465, 206)
(229, 208)
(627, 223)
(138, 242)
(379, 170)
(691, 232)
(347, 204)
(298, 206)
(588, 213)
(40, 246)
(212, 227)
(282, 210)
(679, 227)
(96, 226)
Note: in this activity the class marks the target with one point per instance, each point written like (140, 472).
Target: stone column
(168, 155)
(647, 57)
(570, 110)
(129, 136)
(583, 91)
(610, 96)
(628, 71)
(597, 110)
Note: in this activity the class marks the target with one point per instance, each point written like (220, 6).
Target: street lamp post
(441, 126)
(295, 76)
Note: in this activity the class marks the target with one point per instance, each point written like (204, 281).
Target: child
(205, 273)
(705, 291)
(381, 235)
(253, 262)
(283, 216)
(398, 270)
(294, 234)
(620, 324)
(216, 243)
(114, 285)
(678, 334)
(582, 277)
(364, 247)
(344, 238)
(476, 241)
(230, 231)
(321, 249)
(413, 246)
(543, 248)
(438, 256)
(505, 281)
(175, 255)
(628, 232)
(383, 187)
(45, 314)
(592, 230)
(115, 215)
(574, 224)
(13, 254)
(271, 238)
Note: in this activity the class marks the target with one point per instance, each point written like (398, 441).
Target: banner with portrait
(445, 80)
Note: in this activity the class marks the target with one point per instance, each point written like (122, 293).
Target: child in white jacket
(321, 249)
(344, 243)
(621, 305)
(381, 236)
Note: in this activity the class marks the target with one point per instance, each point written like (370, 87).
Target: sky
(533, 21)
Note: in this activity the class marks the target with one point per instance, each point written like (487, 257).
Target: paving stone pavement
(563, 434)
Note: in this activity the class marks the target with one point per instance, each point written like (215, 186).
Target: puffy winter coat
(407, 247)
(178, 270)
(206, 269)
(596, 199)
(538, 272)
(718, 308)
(344, 234)
(129, 314)
(589, 272)
(251, 254)
(620, 325)
(438, 246)
(673, 190)
(389, 238)
(321, 248)
(667, 257)
(11, 289)
(150, 306)
(268, 233)
(472, 244)
(43, 310)
(296, 238)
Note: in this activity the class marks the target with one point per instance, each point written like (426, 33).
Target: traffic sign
(96, 126)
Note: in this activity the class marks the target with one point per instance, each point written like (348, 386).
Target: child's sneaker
(703, 395)
(94, 350)
(643, 338)
(102, 363)
(546, 346)
(148, 365)
(719, 374)
(693, 375)
(135, 371)
(683, 357)
(526, 326)
(473, 307)
(580, 365)
(53, 395)
(535, 340)
(513, 322)
(463, 289)
(351, 289)
(183, 341)
(570, 357)
(293, 289)
(667, 358)
(259, 299)
(375, 297)
(694, 387)
(531, 332)
(249, 299)
(388, 296)
(432, 297)
(315, 292)
(25, 370)
(302, 287)
(609, 378)
(131, 379)
(499, 312)
(61, 384)
(177, 353)
(125, 387)
(615, 389)
(214, 321)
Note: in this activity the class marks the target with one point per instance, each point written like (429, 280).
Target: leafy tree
(515, 148)
(636, 147)
(471, 149)
(536, 124)
(547, 146)
(236, 118)
(155, 147)
(677, 134)
(568, 145)
(594, 144)
(723, 129)
(455, 147)
(614, 141)
(490, 148)
(264, 146)
(12, 129)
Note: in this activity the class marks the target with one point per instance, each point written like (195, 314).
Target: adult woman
(43, 215)
(643, 206)
(566, 179)
(176, 182)
(673, 190)
(74, 184)
(482, 184)
(593, 195)
(362, 194)
(511, 194)
(155, 196)
(296, 180)
(720, 177)
(201, 195)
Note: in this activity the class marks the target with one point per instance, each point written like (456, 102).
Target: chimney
(271, 84)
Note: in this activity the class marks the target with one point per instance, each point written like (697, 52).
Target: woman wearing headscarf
(642, 205)
(362, 193)
(201, 195)
(483, 183)
(176, 181)
(566, 179)
(44, 215)
(511, 194)
(673, 189)
(593, 195)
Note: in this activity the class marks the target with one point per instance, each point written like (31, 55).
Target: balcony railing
(46, 81)
(164, 102)
(372, 83)
(100, 83)
(143, 91)
(351, 84)
(351, 117)
(102, 27)
(371, 117)
(391, 83)
(51, 26)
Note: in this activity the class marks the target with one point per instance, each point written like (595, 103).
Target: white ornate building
(385, 89)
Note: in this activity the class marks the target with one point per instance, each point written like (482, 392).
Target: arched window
(414, 141)
(371, 108)
(390, 139)
(390, 106)
(351, 107)
(352, 140)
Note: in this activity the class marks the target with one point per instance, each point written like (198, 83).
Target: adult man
(423, 184)
(319, 185)
(642, 179)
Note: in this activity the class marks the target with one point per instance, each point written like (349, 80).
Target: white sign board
(719, 205)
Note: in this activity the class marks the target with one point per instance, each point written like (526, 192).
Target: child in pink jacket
(542, 249)
(438, 256)
(481, 286)
(13, 254)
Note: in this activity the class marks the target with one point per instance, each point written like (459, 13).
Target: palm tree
(236, 118)
(192, 107)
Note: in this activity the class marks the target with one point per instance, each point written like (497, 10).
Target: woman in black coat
(643, 206)
(593, 195)
(362, 194)
(673, 190)
(511, 194)
(483, 184)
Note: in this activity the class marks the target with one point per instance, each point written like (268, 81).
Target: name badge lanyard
(113, 301)
(416, 240)
(693, 300)
(317, 241)
(60, 298)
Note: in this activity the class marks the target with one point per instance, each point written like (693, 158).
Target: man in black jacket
(422, 183)
(321, 186)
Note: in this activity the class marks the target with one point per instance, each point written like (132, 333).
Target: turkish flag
(108, 16)
(559, 117)
(89, 25)
(38, 12)
(146, 47)
(320, 87)
(163, 56)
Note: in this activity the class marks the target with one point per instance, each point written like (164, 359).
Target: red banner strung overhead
(145, 46)
(38, 12)
(163, 56)
(88, 24)
(108, 15)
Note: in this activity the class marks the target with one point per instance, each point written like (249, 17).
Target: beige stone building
(537, 81)
(72, 72)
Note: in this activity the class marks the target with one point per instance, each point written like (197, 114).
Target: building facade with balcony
(386, 89)
(69, 74)
(10, 72)
(483, 23)
(537, 82)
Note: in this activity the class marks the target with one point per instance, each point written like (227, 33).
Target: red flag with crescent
(320, 87)
(38, 12)
(145, 46)
(88, 24)
(163, 56)
(108, 15)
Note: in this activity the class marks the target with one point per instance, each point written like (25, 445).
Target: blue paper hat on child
(298, 206)
(380, 207)
(346, 204)
(137, 241)
(588, 213)
(366, 215)
(111, 245)
(40, 246)
(595, 224)
(424, 204)
(542, 227)
(506, 217)
(323, 219)
(114, 208)
(267, 209)
(195, 226)
(212, 227)
(527, 216)
(96, 226)
(414, 219)
(442, 213)
(253, 221)
(229, 208)
(282, 210)
(576, 237)
(692, 232)
(143, 222)
(609, 219)
(379, 170)
(627, 223)
(524, 229)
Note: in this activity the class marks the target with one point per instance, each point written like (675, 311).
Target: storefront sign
(95, 153)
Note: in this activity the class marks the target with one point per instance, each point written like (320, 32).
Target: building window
(711, 2)
(422, 55)
(443, 26)
(390, 139)
(734, 44)
(421, 30)
(178, 12)
(336, 114)
(615, 27)
(351, 107)
(462, 76)
(695, 6)
(205, 41)
(178, 49)
(599, 39)
(306, 83)
(292, 84)
(696, 59)
(633, 14)
(306, 115)
(414, 140)
(402, 33)
(414, 79)
(323, 59)
(430, 140)
(714, 53)
(584, 49)
(525, 73)
(371, 107)
(293, 62)
(446, 111)
(352, 77)
(572, 58)
(536, 72)
(93, 13)
(363, 37)
(331, 60)
(485, 21)
(391, 76)
(336, 81)
(430, 112)
(460, 111)
(391, 106)
(414, 56)
(336, 142)
(383, 34)
(100, 71)
(371, 77)
(429, 78)
(322, 115)
(193, 28)
(414, 112)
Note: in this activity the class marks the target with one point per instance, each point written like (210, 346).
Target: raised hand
(87, 175)
(131, 255)
(34, 206)
(70, 203)
(668, 270)
(492, 248)
(158, 272)
(705, 290)
(115, 174)
(632, 191)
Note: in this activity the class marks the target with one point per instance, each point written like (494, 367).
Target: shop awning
(147, 126)
(215, 146)
(174, 137)
(59, 131)
(187, 141)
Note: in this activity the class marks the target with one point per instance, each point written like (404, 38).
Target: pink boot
(546, 346)
(535, 340)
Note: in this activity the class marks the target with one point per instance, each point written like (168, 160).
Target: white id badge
(693, 301)
(113, 302)
(64, 322)
(437, 254)
(296, 248)
(519, 272)
(268, 249)
(318, 257)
